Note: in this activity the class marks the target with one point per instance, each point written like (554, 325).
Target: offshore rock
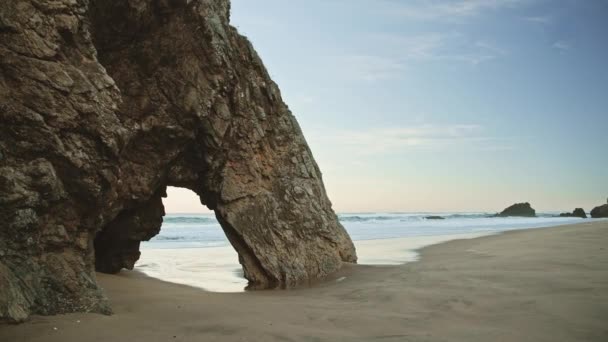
(578, 212)
(518, 209)
(103, 104)
(600, 212)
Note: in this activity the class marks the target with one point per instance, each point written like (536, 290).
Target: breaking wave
(203, 230)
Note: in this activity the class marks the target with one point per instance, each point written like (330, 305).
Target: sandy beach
(548, 284)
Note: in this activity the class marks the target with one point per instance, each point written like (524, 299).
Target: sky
(441, 105)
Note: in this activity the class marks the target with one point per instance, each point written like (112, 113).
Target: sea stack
(600, 212)
(518, 209)
(103, 104)
(578, 212)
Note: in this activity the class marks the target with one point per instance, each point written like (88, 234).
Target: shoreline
(189, 266)
(224, 274)
(545, 284)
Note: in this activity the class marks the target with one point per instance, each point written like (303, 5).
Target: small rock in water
(435, 218)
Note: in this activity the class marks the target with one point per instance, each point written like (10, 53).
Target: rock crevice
(103, 104)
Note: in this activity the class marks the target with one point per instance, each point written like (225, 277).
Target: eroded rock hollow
(103, 104)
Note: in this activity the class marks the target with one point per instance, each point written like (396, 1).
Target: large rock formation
(600, 211)
(518, 209)
(578, 212)
(103, 104)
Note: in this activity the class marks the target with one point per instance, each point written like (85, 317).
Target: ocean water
(192, 249)
(203, 230)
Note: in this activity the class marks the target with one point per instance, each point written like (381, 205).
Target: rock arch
(104, 107)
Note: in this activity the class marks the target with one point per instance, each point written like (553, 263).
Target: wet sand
(217, 269)
(547, 284)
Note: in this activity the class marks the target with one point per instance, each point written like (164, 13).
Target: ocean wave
(200, 231)
(407, 217)
(468, 216)
(171, 238)
(365, 218)
(189, 219)
(360, 217)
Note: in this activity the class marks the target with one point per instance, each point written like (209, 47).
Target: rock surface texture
(103, 104)
(518, 209)
(578, 212)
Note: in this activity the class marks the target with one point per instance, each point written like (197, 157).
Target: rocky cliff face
(103, 104)
(518, 209)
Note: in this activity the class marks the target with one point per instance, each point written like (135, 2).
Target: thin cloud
(419, 46)
(449, 47)
(490, 47)
(447, 9)
(561, 45)
(395, 139)
(542, 20)
(370, 68)
(398, 52)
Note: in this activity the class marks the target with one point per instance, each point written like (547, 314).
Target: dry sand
(533, 285)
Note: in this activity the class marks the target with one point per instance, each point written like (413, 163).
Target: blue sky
(444, 105)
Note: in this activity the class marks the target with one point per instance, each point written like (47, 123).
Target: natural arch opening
(173, 237)
(191, 247)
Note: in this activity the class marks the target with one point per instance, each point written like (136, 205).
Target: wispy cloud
(370, 68)
(483, 45)
(388, 55)
(561, 45)
(426, 136)
(447, 9)
(419, 46)
(542, 20)
(428, 47)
